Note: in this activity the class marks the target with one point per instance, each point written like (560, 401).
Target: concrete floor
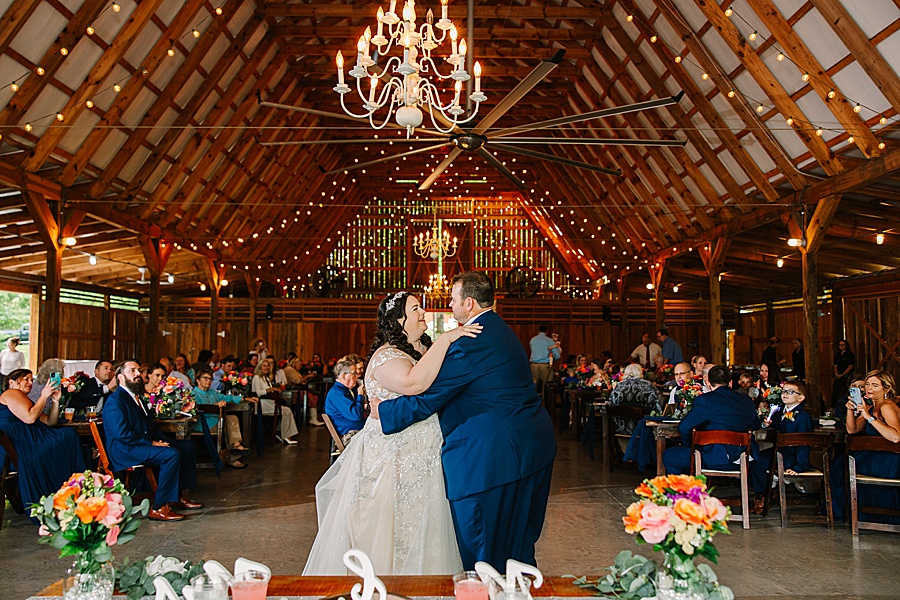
(267, 512)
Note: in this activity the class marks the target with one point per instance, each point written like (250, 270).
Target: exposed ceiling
(176, 153)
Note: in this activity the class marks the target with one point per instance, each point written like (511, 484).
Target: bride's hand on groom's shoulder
(464, 330)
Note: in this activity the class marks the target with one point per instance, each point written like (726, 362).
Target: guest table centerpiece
(173, 400)
(679, 517)
(89, 514)
(685, 396)
(70, 386)
(236, 384)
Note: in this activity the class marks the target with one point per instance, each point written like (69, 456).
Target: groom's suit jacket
(495, 427)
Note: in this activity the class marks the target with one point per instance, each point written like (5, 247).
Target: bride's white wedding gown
(385, 496)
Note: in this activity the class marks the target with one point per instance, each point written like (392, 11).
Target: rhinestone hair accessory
(392, 301)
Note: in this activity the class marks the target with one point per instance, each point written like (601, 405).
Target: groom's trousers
(503, 522)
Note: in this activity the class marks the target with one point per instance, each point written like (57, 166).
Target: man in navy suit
(132, 439)
(721, 409)
(499, 443)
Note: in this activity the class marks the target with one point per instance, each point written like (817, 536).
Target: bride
(385, 495)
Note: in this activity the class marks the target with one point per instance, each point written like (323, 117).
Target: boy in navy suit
(499, 442)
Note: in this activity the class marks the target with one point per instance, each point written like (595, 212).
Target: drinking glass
(518, 589)
(70, 414)
(209, 587)
(469, 586)
(91, 412)
(250, 585)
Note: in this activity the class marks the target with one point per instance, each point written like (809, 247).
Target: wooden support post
(815, 233)
(156, 256)
(657, 274)
(214, 276)
(622, 288)
(713, 256)
(253, 286)
(47, 219)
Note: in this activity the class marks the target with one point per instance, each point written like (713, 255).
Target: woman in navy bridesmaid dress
(47, 455)
(881, 418)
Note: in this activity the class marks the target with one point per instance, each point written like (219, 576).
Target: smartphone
(856, 395)
(55, 379)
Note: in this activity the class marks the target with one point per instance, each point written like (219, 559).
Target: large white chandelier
(410, 77)
(436, 244)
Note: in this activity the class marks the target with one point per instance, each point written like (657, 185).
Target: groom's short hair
(477, 286)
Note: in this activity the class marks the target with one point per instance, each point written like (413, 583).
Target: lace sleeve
(386, 353)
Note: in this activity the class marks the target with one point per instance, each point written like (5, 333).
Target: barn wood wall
(334, 327)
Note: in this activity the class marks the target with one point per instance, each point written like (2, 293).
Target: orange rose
(91, 509)
(61, 497)
(659, 483)
(689, 512)
(633, 515)
(683, 483)
(644, 490)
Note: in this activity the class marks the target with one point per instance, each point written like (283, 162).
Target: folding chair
(337, 445)
(626, 413)
(9, 472)
(731, 438)
(878, 444)
(106, 468)
(821, 442)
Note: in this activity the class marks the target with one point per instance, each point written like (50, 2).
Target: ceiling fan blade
(353, 141)
(387, 158)
(525, 86)
(558, 141)
(499, 166)
(440, 169)
(556, 159)
(596, 114)
(344, 116)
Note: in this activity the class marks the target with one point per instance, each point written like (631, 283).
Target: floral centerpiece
(679, 517)
(236, 384)
(70, 386)
(172, 400)
(135, 579)
(89, 514)
(665, 373)
(769, 402)
(685, 396)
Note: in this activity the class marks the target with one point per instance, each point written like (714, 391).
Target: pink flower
(115, 512)
(43, 531)
(655, 523)
(112, 536)
(714, 508)
(98, 480)
(71, 388)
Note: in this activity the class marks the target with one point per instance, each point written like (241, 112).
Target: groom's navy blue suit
(499, 443)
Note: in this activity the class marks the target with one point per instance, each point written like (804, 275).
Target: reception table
(428, 586)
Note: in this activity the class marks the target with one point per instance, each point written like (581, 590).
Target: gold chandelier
(436, 244)
(437, 292)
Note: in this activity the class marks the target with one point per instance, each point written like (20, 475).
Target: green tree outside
(15, 311)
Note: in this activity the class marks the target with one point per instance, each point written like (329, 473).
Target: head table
(295, 587)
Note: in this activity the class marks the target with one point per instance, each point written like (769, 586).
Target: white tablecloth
(86, 366)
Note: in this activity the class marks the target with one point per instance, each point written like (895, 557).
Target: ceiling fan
(479, 138)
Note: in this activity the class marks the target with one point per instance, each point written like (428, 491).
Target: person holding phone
(875, 414)
(47, 455)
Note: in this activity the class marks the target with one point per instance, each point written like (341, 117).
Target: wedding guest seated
(769, 376)
(203, 394)
(840, 409)
(95, 389)
(169, 365)
(633, 390)
(292, 372)
(182, 365)
(156, 374)
(793, 419)
(698, 363)
(204, 360)
(250, 364)
(47, 455)
(225, 367)
(642, 444)
(265, 389)
(47, 368)
(745, 382)
(346, 409)
(600, 379)
(877, 415)
(721, 409)
(132, 438)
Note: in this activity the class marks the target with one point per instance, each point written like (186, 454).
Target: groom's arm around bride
(499, 442)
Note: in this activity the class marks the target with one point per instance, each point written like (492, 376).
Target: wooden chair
(819, 442)
(878, 444)
(10, 464)
(106, 468)
(212, 409)
(627, 413)
(337, 445)
(731, 438)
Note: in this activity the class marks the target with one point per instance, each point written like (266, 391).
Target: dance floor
(267, 512)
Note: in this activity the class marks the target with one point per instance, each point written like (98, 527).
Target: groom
(499, 443)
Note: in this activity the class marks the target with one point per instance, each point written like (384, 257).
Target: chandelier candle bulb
(380, 16)
(374, 81)
(477, 77)
(339, 59)
(453, 35)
